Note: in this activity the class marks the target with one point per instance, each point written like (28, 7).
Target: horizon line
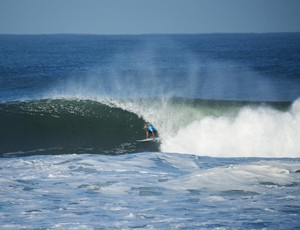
(143, 34)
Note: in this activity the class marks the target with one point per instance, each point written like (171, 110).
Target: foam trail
(254, 132)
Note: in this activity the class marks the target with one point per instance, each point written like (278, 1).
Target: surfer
(150, 129)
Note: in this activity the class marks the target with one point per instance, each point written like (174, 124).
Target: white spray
(254, 132)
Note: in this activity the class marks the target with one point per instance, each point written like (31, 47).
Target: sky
(148, 16)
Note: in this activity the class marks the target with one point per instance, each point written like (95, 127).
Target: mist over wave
(183, 75)
(221, 128)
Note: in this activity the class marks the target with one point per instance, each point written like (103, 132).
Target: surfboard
(149, 139)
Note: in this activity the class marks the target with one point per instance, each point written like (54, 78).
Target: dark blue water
(227, 112)
(211, 66)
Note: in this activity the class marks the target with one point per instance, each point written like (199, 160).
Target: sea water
(226, 107)
(148, 191)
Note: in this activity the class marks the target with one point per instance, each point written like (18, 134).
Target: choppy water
(149, 191)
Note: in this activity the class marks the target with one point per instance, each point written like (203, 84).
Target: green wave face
(69, 126)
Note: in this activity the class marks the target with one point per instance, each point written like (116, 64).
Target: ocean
(226, 107)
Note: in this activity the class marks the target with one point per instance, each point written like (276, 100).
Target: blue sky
(148, 16)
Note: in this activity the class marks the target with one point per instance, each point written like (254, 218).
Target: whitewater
(234, 130)
(226, 107)
(148, 191)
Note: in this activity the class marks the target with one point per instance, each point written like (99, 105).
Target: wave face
(68, 126)
(112, 126)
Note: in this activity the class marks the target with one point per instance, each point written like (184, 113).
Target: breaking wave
(110, 126)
